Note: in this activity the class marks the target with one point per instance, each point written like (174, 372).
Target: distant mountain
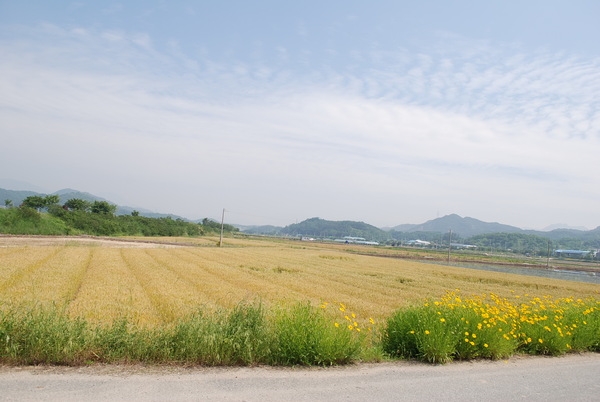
(558, 234)
(316, 227)
(407, 227)
(562, 226)
(321, 228)
(17, 185)
(16, 196)
(261, 230)
(67, 194)
(465, 227)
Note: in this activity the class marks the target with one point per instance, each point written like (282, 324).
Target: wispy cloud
(455, 128)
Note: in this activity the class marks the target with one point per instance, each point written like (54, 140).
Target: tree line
(518, 243)
(45, 216)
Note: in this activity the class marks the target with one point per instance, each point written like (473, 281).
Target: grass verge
(436, 331)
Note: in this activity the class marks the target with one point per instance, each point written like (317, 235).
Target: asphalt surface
(567, 378)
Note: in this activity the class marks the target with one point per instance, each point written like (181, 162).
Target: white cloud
(113, 36)
(486, 133)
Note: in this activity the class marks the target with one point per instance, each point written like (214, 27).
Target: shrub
(492, 327)
(426, 332)
(304, 335)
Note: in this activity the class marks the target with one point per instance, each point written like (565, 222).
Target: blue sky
(386, 112)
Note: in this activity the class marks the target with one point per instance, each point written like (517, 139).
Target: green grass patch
(245, 335)
(436, 331)
(304, 335)
(28, 221)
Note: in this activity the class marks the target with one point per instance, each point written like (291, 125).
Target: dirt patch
(21, 241)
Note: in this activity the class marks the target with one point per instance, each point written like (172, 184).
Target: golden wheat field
(154, 283)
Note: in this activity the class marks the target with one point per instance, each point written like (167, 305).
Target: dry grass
(156, 284)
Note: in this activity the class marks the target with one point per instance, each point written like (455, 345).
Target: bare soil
(21, 241)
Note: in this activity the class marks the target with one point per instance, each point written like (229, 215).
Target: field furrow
(17, 269)
(170, 294)
(216, 290)
(54, 279)
(229, 283)
(155, 285)
(109, 291)
(74, 287)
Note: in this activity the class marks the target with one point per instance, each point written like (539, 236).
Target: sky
(386, 112)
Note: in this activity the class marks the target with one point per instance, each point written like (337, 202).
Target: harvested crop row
(155, 285)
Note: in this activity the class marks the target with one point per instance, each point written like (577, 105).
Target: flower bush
(488, 326)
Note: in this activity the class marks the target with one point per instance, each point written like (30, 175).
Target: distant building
(572, 253)
(418, 243)
(460, 246)
(356, 240)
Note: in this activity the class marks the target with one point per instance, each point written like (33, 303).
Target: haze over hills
(466, 227)
(555, 226)
(17, 185)
(463, 226)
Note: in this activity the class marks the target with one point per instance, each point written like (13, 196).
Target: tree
(38, 202)
(34, 201)
(51, 200)
(103, 207)
(8, 203)
(135, 213)
(77, 204)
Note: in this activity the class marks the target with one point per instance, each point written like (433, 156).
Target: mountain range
(465, 227)
(316, 227)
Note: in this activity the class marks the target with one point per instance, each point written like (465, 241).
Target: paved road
(569, 378)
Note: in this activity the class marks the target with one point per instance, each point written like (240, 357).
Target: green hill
(465, 227)
(321, 228)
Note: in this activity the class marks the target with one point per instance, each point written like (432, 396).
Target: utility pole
(222, 220)
(548, 260)
(449, 245)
